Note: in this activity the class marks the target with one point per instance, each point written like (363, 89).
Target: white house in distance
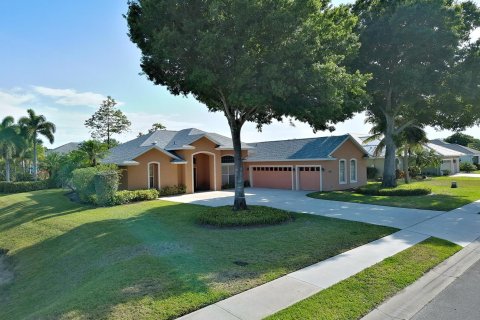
(469, 155)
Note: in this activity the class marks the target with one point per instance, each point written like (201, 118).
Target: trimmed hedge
(23, 186)
(172, 190)
(84, 182)
(225, 217)
(398, 192)
(127, 196)
(372, 173)
(106, 185)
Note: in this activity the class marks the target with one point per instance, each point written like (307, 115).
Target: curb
(409, 301)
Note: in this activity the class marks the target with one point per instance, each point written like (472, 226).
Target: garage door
(271, 177)
(309, 178)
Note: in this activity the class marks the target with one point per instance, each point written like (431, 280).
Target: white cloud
(70, 97)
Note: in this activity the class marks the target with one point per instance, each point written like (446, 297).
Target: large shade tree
(417, 53)
(34, 127)
(253, 60)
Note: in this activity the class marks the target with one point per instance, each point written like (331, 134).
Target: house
(469, 155)
(450, 159)
(204, 161)
(66, 148)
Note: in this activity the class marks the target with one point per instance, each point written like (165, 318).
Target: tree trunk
(7, 168)
(35, 172)
(405, 166)
(239, 203)
(389, 177)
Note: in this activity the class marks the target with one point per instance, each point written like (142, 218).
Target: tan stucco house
(204, 161)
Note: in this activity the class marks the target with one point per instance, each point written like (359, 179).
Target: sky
(63, 57)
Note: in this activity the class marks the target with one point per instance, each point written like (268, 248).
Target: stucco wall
(137, 176)
(330, 172)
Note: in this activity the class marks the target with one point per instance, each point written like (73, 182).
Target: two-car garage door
(286, 177)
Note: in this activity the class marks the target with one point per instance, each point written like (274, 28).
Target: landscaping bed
(148, 259)
(225, 217)
(356, 296)
(442, 197)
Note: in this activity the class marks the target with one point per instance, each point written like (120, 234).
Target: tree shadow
(36, 205)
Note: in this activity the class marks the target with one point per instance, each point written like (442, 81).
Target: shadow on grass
(151, 259)
(35, 205)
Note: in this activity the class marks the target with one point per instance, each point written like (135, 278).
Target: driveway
(297, 201)
(461, 226)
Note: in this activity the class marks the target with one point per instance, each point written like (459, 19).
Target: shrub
(446, 172)
(372, 173)
(172, 190)
(23, 186)
(467, 167)
(106, 185)
(399, 174)
(23, 176)
(225, 217)
(399, 192)
(127, 196)
(414, 171)
(84, 183)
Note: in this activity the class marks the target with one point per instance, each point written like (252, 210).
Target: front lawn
(443, 197)
(147, 260)
(358, 295)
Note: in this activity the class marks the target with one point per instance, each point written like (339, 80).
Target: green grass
(224, 217)
(443, 197)
(356, 296)
(477, 172)
(149, 259)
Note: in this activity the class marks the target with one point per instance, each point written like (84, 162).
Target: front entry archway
(204, 172)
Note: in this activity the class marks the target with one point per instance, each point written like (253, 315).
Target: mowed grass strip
(443, 197)
(147, 260)
(356, 296)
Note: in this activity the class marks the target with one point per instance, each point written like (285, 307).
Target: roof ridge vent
(154, 142)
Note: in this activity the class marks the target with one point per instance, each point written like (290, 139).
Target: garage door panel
(309, 180)
(272, 177)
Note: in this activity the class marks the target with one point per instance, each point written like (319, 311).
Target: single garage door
(309, 178)
(276, 177)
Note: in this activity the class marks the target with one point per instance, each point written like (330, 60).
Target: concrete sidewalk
(461, 226)
(278, 294)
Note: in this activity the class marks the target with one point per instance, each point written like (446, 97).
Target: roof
(166, 141)
(444, 151)
(66, 148)
(299, 149)
(455, 147)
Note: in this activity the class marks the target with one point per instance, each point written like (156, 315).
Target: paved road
(460, 300)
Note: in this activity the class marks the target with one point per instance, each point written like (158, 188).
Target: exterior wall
(137, 176)
(330, 168)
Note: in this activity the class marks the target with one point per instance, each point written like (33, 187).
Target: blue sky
(63, 57)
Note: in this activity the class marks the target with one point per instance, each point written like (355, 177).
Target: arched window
(228, 172)
(353, 170)
(342, 171)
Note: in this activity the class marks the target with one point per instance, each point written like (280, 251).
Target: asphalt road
(460, 300)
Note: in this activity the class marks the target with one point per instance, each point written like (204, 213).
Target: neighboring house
(204, 161)
(450, 159)
(375, 160)
(66, 148)
(469, 155)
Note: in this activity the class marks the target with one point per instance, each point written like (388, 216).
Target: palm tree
(34, 126)
(95, 150)
(411, 138)
(10, 141)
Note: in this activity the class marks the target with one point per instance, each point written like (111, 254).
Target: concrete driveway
(461, 226)
(297, 201)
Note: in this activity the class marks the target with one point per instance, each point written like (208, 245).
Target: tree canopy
(253, 60)
(107, 120)
(418, 54)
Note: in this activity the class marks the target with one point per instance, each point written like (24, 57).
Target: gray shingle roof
(297, 149)
(455, 147)
(166, 141)
(66, 148)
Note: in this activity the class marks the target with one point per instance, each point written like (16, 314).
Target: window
(353, 170)
(153, 175)
(342, 171)
(228, 171)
